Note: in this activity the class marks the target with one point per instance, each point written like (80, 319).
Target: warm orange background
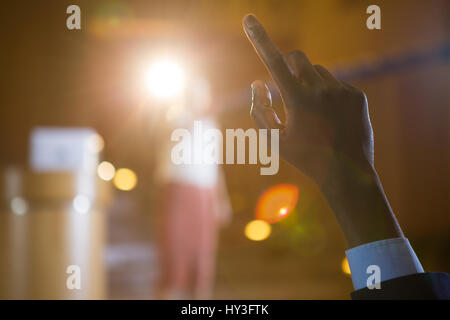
(53, 76)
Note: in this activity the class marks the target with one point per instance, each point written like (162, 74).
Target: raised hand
(327, 121)
(327, 135)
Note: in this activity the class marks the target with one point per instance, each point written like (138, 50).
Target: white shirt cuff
(394, 258)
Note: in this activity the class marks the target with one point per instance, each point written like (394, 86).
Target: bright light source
(257, 230)
(125, 179)
(106, 171)
(165, 79)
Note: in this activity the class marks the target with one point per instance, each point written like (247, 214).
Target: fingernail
(267, 97)
(260, 96)
(250, 21)
(255, 96)
(254, 92)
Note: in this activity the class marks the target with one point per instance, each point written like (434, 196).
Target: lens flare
(257, 230)
(125, 179)
(276, 203)
(165, 79)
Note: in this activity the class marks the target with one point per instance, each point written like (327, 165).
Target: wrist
(355, 194)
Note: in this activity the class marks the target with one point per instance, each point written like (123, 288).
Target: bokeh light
(257, 230)
(96, 143)
(19, 206)
(106, 171)
(345, 267)
(276, 203)
(125, 179)
(165, 79)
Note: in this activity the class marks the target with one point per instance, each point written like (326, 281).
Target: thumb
(261, 110)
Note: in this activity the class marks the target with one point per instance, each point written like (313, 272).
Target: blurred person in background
(191, 199)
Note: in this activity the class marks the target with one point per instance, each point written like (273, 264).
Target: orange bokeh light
(276, 203)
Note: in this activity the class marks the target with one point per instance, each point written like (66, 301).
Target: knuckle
(319, 67)
(297, 55)
(359, 96)
(357, 99)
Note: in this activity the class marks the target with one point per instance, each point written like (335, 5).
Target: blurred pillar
(49, 222)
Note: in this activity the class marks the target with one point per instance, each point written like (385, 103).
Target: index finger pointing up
(269, 53)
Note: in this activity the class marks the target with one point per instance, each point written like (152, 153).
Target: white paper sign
(64, 149)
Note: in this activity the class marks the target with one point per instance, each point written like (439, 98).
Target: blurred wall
(53, 76)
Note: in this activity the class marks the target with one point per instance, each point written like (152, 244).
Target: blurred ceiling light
(106, 171)
(125, 179)
(276, 203)
(19, 206)
(345, 267)
(81, 204)
(257, 230)
(165, 79)
(96, 143)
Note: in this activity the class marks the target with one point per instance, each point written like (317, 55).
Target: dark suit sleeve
(423, 286)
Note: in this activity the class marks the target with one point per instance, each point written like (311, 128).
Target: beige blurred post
(43, 232)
